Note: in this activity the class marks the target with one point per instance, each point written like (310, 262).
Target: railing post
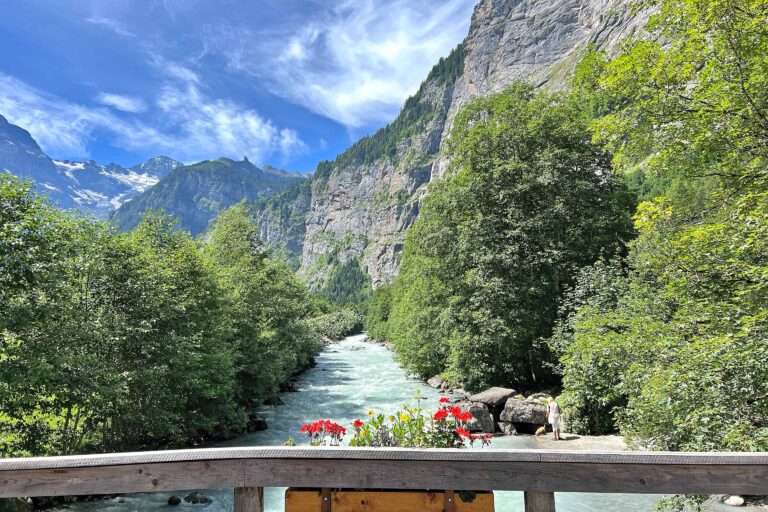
(539, 501)
(249, 499)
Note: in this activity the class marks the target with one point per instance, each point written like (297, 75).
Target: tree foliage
(529, 201)
(676, 359)
(114, 341)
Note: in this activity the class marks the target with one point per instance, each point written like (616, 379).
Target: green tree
(529, 201)
(267, 307)
(677, 360)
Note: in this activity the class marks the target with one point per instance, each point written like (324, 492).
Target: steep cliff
(360, 205)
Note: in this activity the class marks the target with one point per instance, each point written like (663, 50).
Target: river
(351, 377)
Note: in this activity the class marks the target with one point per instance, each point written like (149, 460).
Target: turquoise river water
(351, 377)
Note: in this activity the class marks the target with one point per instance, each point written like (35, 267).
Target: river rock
(197, 498)
(275, 400)
(507, 428)
(174, 500)
(493, 397)
(256, 423)
(538, 397)
(525, 415)
(437, 382)
(483, 419)
(734, 501)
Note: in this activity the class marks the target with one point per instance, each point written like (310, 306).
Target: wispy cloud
(186, 123)
(111, 24)
(124, 103)
(354, 63)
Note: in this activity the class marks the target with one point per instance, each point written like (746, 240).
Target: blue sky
(284, 82)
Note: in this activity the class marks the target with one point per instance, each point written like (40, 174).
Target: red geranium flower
(455, 412)
(357, 424)
(444, 400)
(463, 433)
(441, 414)
(466, 416)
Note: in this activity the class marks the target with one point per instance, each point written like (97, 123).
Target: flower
(444, 400)
(357, 424)
(370, 412)
(455, 412)
(466, 416)
(440, 415)
(463, 433)
(404, 417)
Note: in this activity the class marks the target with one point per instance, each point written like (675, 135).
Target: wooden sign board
(314, 500)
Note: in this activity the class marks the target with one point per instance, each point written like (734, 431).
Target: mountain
(359, 206)
(87, 186)
(195, 194)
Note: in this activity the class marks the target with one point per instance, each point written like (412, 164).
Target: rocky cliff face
(361, 205)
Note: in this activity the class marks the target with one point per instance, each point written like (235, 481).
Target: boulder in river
(482, 418)
(174, 500)
(274, 400)
(734, 501)
(256, 423)
(526, 415)
(437, 382)
(197, 498)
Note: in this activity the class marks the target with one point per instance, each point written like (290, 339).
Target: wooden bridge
(538, 473)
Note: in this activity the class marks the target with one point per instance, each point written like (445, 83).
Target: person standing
(554, 417)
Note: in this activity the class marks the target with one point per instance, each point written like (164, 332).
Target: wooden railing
(539, 473)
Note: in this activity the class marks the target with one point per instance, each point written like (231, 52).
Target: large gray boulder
(507, 428)
(493, 397)
(483, 419)
(437, 382)
(523, 412)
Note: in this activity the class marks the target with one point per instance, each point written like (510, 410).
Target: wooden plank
(348, 453)
(383, 501)
(175, 476)
(539, 501)
(521, 470)
(249, 499)
(524, 476)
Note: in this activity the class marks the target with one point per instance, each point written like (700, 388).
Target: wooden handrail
(534, 471)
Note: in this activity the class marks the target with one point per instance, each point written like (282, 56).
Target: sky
(284, 82)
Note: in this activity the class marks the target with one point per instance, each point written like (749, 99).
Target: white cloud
(356, 63)
(124, 103)
(217, 126)
(111, 24)
(191, 126)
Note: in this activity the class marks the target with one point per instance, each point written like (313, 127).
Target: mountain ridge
(88, 186)
(194, 194)
(361, 208)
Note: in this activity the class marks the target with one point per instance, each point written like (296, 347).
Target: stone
(436, 382)
(524, 411)
(275, 400)
(256, 424)
(539, 397)
(483, 419)
(507, 428)
(174, 500)
(734, 501)
(197, 498)
(493, 397)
